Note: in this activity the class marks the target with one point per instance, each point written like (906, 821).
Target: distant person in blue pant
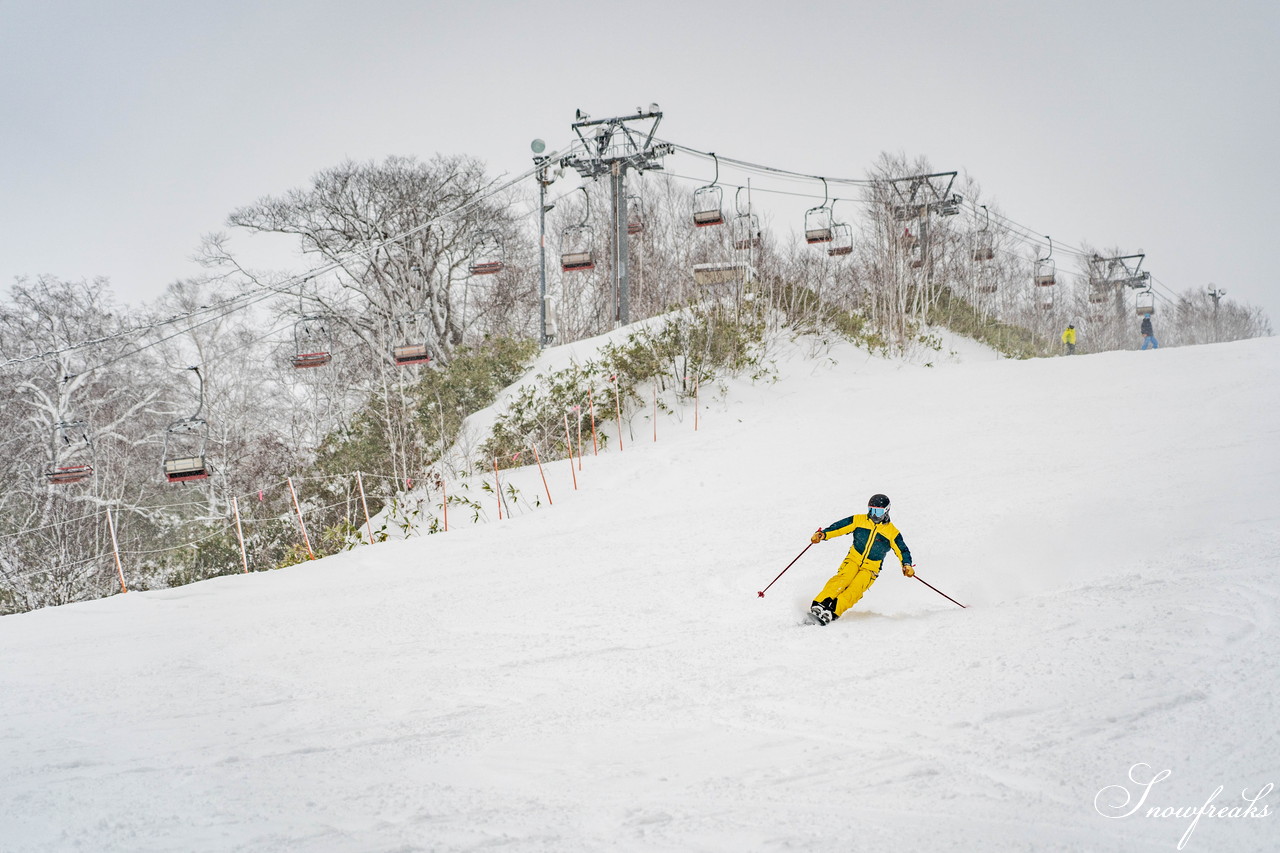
(1148, 336)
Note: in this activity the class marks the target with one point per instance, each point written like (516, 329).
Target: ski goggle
(877, 512)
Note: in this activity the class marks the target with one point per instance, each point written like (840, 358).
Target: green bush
(676, 354)
(957, 314)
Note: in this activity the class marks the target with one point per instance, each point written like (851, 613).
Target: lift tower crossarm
(1124, 269)
(937, 197)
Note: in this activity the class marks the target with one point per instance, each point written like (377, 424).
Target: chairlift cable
(769, 169)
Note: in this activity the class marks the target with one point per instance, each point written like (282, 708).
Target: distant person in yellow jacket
(1069, 338)
(874, 535)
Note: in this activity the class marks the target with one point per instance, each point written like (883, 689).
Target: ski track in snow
(600, 674)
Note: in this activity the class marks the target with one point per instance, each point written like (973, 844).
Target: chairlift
(746, 231)
(312, 342)
(185, 442)
(1046, 268)
(577, 242)
(723, 272)
(983, 243)
(1099, 293)
(707, 201)
(817, 220)
(72, 457)
(745, 227)
(407, 354)
(1046, 273)
(415, 350)
(841, 240)
(488, 257)
(1145, 302)
(817, 225)
(841, 235)
(635, 215)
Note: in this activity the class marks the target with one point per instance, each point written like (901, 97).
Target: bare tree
(399, 237)
(79, 379)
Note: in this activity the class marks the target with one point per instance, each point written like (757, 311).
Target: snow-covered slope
(601, 675)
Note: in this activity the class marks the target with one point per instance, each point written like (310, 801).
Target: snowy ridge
(600, 674)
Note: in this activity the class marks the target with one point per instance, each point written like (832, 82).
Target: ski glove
(817, 536)
(909, 570)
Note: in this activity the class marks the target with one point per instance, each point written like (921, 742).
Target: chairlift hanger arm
(1050, 255)
(200, 405)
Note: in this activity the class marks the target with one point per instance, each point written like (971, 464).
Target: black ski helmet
(879, 500)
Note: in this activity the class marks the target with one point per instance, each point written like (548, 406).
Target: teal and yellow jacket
(871, 542)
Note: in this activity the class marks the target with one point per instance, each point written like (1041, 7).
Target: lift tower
(611, 146)
(914, 198)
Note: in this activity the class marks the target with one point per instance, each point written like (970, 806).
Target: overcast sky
(132, 128)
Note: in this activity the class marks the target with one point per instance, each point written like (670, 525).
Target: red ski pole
(784, 571)
(938, 591)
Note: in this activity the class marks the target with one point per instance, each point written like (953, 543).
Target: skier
(1069, 338)
(873, 536)
(1148, 335)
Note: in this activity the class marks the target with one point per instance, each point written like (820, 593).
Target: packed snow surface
(600, 673)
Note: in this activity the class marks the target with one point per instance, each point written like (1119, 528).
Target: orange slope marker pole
(568, 442)
(244, 556)
(695, 403)
(115, 549)
(444, 502)
(365, 504)
(545, 487)
(306, 540)
(655, 412)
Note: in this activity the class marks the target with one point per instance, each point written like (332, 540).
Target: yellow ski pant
(847, 585)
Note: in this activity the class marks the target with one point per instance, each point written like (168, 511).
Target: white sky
(132, 128)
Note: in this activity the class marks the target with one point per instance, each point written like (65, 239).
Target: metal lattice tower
(611, 147)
